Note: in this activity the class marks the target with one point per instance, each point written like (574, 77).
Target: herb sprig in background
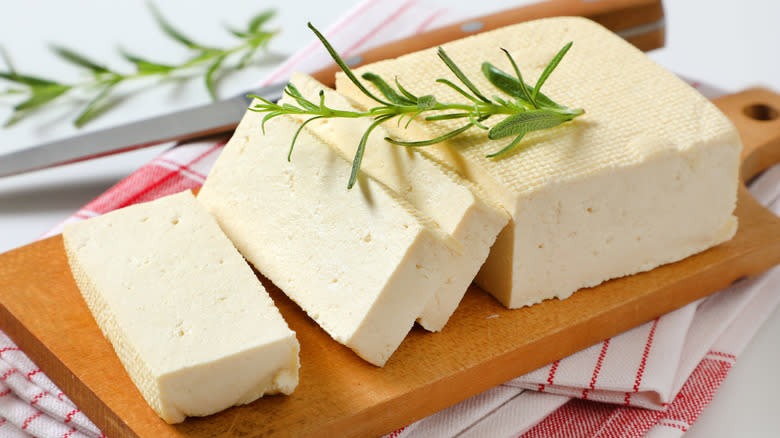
(205, 60)
(526, 108)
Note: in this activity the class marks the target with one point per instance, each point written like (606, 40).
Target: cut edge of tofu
(281, 376)
(618, 245)
(499, 273)
(268, 377)
(123, 347)
(406, 297)
(478, 223)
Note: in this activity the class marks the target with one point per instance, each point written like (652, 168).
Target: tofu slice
(189, 320)
(647, 176)
(362, 263)
(458, 206)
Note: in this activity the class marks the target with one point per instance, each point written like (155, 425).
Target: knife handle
(638, 21)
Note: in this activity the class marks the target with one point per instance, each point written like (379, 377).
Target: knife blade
(638, 21)
(192, 123)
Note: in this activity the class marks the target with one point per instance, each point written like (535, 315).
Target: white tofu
(362, 262)
(458, 206)
(647, 176)
(189, 320)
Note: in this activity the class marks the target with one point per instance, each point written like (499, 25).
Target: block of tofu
(647, 176)
(457, 205)
(191, 323)
(362, 263)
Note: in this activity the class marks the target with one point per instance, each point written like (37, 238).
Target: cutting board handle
(641, 22)
(756, 114)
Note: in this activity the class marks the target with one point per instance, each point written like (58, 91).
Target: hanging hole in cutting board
(761, 112)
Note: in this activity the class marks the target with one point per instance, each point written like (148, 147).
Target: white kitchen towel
(702, 339)
(629, 369)
(31, 404)
(368, 24)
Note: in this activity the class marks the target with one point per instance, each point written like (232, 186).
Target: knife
(640, 22)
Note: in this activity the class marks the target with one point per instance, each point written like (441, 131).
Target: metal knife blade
(201, 121)
(641, 22)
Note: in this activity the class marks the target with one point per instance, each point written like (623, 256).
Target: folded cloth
(720, 328)
(31, 404)
(656, 378)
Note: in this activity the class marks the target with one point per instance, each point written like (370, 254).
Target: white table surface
(731, 45)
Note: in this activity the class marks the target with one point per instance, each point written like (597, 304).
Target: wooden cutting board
(42, 311)
(340, 395)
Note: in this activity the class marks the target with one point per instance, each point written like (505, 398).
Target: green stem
(113, 76)
(394, 110)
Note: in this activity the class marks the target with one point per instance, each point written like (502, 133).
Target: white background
(729, 44)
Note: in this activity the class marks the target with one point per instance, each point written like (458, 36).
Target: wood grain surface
(483, 345)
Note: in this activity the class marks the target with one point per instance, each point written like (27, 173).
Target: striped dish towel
(653, 380)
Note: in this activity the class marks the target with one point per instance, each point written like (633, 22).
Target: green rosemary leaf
(530, 110)
(30, 81)
(237, 33)
(12, 91)
(171, 31)
(322, 100)
(268, 117)
(405, 92)
(244, 61)
(209, 78)
(16, 116)
(523, 88)
(550, 67)
(293, 92)
(344, 67)
(528, 121)
(42, 95)
(144, 66)
(476, 121)
(297, 132)
(202, 56)
(78, 59)
(432, 141)
(505, 82)
(448, 116)
(262, 38)
(463, 92)
(511, 86)
(545, 102)
(414, 116)
(260, 19)
(387, 90)
(256, 36)
(96, 106)
(311, 106)
(361, 149)
(260, 98)
(459, 74)
(512, 106)
(210, 61)
(508, 147)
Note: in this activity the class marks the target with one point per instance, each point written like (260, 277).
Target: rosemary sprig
(206, 60)
(526, 109)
